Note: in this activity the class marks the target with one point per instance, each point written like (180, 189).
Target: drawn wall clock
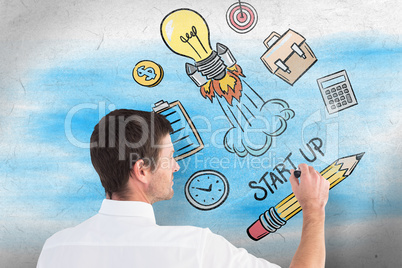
(206, 189)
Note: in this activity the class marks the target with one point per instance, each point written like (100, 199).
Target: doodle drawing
(206, 189)
(275, 217)
(185, 137)
(241, 17)
(254, 120)
(186, 33)
(337, 92)
(147, 73)
(288, 56)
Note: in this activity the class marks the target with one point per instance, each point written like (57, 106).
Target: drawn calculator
(337, 92)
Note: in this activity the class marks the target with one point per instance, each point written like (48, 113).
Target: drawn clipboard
(185, 137)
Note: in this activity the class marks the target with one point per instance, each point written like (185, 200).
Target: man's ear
(140, 171)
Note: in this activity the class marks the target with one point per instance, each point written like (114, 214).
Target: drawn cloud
(256, 138)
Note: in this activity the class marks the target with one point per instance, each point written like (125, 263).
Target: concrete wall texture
(65, 64)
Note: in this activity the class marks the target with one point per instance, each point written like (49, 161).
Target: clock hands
(206, 190)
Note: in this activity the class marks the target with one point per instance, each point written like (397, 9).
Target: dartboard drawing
(241, 17)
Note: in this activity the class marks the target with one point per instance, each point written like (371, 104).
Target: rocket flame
(228, 87)
(237, 70)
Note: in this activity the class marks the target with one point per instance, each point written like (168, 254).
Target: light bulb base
(195, 75)
(212, 67)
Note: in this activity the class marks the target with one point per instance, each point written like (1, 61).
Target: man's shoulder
(68, 235)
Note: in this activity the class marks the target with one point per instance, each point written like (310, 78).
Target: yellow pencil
(277, 216)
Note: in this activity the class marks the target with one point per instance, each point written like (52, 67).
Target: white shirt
(125, 234)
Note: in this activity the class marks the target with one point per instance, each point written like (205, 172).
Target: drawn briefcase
(288, 56)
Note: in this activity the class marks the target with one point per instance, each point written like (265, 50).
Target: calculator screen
(333, 81)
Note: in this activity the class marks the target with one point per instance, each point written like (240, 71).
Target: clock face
(206, 189)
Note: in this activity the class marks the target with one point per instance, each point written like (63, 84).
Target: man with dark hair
(133, 154)
(119, 140)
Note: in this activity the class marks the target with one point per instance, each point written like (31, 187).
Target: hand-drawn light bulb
(218, 76)
(186, 33)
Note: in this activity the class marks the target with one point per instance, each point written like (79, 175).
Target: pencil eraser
(256, 231)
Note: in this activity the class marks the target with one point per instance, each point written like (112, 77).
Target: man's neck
(116, 197)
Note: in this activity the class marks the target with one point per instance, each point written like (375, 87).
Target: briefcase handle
(271, 39)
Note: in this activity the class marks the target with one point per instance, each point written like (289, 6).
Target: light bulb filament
(193, 33)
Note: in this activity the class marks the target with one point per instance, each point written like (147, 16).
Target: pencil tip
(359, 156)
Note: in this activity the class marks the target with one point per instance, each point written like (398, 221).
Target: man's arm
(312, 193)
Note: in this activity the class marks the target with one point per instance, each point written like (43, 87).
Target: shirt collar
(128, 209)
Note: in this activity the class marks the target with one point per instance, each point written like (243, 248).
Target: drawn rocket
(254, 120)
(244, 108)
(217, 74)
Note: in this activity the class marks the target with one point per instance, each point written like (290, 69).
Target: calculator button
(344, 102)
(348, 98)
(338, 88)
(329, 97)
(346, 91)
(344, 86)
(338, 104)
(331, 102)
(333, 107)
(340, 93)
(337, 100)
(327, 91)
(333, 89)
(335, 95)
(342, 97)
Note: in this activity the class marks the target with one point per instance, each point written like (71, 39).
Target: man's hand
(312, 193)
(312, 189)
